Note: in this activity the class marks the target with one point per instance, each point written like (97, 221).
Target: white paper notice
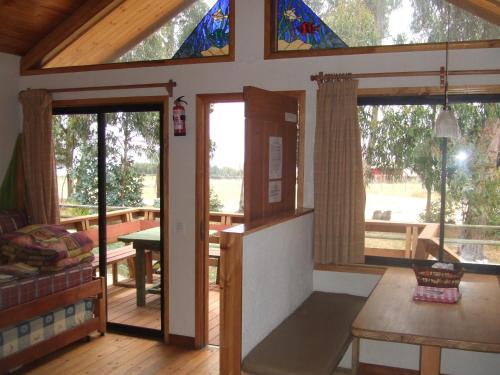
(275, 157)
(274, 191)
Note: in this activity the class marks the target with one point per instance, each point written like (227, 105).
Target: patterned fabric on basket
(19, 270)
(13, 339)
(22, 290)
(44, 245)
(431, 294)
(12, 220)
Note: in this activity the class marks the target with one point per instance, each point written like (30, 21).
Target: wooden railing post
(231, 246)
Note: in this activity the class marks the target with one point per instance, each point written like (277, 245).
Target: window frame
(425, 99)
(270, 51)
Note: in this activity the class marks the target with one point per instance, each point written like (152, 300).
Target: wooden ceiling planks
(115, 32)
(486, 9)
(24, 23)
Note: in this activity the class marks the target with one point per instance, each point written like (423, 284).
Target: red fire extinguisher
(179, 117)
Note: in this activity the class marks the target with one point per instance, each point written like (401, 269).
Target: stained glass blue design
(298, 27)
(211, 36)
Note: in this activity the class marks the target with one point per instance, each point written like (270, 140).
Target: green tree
(164, 42)
(215, 205)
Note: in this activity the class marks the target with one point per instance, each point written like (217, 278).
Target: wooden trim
(203, 102)
(259, 225)
(182, 341)
(165, 222)
(429, 90)
(167, 85)
(271, 53)
(371, 369)
(41, 306)
(95, 102)
(351, 268)
(231, 303)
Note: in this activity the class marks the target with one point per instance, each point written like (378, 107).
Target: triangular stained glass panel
(210, 37)
(299, 28)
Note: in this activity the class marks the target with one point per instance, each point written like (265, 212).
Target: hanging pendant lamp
(446, 125)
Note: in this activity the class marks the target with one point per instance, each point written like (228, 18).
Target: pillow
(43, 245)
(12, 220)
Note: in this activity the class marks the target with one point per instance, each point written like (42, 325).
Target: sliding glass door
(110, 186)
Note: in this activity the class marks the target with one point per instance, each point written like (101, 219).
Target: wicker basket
(438, 278)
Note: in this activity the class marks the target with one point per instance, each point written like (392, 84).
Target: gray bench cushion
(312, 340)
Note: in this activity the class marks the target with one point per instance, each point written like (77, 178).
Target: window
(402, 176)
(201, 30)
(356, 26)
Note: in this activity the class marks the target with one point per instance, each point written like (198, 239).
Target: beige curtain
(339, 192)
(38, 157)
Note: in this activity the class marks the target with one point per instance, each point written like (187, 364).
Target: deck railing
(416, 240)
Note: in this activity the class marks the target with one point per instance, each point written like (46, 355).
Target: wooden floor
(116, 354)
(213, 315)
(122, 308)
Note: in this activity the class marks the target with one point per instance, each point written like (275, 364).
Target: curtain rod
(169, 86)
(321, 77)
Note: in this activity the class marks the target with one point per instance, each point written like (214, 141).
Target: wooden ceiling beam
(84, 18)
(488, 10)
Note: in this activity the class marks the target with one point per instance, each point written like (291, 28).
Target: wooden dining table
(391, 314)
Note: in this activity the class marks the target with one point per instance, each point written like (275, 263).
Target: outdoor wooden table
(148, 239)
(390, 314)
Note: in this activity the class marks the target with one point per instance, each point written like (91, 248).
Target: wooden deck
(124, 355)
(122, 308)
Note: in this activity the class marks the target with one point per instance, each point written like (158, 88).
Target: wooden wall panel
(265, 117)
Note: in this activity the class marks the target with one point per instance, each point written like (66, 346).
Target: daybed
(44, 305)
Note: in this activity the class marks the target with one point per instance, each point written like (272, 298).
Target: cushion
(312, 340)
(12, 220)
(46, 246)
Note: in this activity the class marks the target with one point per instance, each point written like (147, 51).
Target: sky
(227, 130)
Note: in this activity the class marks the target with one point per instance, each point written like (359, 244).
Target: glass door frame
(153, 104)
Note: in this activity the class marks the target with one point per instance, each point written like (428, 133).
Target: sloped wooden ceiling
(24, 23)
(100, 31)
(486, 9)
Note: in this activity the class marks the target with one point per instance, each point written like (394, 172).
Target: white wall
(251, 69)
(9, 109)
(277, 276)
(453, 362)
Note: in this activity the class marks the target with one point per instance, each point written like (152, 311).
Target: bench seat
(312, 340)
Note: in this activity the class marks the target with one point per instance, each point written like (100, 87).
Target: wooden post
(430, 360)
(355, 355)
(231, 303)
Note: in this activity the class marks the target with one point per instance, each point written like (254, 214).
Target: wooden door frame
(163, 101)
(203, 102)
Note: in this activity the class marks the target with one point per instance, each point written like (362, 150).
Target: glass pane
(133, 215)
(472, 232)
(361, 23)
(402, 174)
(191, 33)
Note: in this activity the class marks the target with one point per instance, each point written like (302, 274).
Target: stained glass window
(211, 36)
(299, 28)
(336, 24)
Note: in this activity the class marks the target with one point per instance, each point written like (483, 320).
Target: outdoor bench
(312, 340)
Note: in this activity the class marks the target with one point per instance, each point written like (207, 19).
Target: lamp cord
(447, 44)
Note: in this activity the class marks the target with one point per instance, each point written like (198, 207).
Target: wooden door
(270, 154)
